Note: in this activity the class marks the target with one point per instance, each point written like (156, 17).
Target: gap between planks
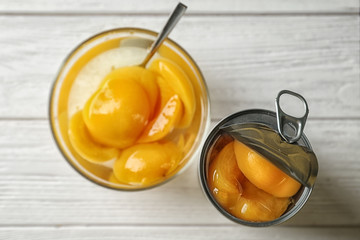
(170, 225)
(213, 120)
(192, 14)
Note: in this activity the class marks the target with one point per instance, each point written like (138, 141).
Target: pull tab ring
(284, 119)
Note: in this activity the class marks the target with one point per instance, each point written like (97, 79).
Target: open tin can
(275, 136)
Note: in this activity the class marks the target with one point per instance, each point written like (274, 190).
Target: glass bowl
(65, 92)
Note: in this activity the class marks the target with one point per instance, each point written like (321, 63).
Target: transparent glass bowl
(80, 56)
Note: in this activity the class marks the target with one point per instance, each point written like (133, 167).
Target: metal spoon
(169, 26)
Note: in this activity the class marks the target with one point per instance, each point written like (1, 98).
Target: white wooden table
(248, 51)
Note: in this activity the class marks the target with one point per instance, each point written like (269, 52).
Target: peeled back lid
(280, 147)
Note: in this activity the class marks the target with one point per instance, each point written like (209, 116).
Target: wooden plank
(37, 186)
(165, 6)
(178, 232)
(245, 60)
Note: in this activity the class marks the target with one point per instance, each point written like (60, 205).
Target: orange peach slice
(224, 174)
(83, 144)
(180, 83)
(169, 115)
(263, 174)
(113, 179)
(225, 199)
(117, 113)
(181, 142)
(145, 164)
(146, 78)
(175, 153)
(257, 205)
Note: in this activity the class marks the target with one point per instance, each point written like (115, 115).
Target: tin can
(216, 141)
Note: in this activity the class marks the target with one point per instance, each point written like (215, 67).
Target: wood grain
(246, 60)
(175, 232)
(165, 6)
(38, 187)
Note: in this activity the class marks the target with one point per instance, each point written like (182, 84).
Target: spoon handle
(170, 24)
